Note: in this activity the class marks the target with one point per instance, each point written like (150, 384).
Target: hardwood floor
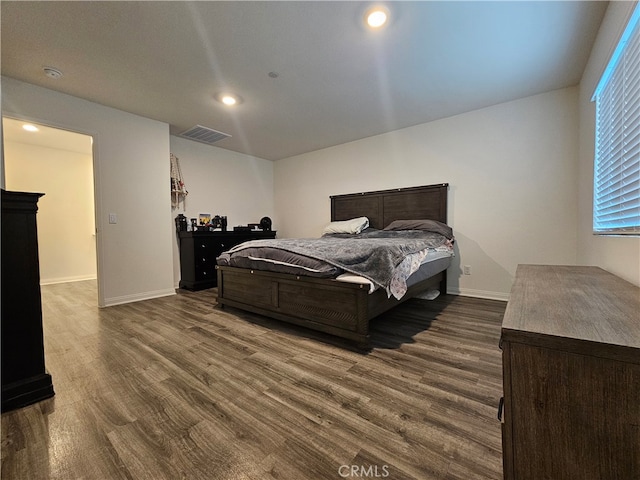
(173, 388)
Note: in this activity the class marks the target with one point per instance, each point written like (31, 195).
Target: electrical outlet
(466, 269)
(113, 218)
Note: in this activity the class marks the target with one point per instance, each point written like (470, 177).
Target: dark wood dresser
(24, 378)
(571, 375)
(199, 250)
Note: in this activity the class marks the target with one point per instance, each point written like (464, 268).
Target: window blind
(616, 195)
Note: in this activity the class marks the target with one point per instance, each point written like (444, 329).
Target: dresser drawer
(204, 253)
(205, 271)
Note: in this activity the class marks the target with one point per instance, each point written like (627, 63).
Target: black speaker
(265, 224)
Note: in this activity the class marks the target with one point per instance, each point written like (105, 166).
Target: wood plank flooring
(176, 388)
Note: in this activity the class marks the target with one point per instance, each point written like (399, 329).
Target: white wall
(618, 255)
(512, 170)
(222, 182)
(131, 162)
(66, 224)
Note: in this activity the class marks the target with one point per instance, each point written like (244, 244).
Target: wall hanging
(178, 190)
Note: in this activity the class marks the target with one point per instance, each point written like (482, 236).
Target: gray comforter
(373, 254)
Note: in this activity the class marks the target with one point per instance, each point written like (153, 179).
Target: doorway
(58, 163)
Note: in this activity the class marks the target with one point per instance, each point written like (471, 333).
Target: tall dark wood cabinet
(571, 366)
(199, 250)
(24, 378)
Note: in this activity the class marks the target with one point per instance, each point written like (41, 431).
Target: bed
(339, 308)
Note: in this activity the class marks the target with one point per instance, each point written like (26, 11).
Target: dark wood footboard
(327, 305)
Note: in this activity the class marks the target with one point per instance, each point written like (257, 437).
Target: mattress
(383, 259)
(434, 263)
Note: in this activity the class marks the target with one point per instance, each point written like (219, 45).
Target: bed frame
(338, 308)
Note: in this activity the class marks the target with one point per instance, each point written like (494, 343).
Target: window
(616, 182)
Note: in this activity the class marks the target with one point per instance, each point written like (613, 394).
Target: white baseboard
(469, 292)
(109, 302)
(78, 278)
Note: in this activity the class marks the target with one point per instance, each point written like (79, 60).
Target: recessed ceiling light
(377, 16)
(30, 128)
(229, 99)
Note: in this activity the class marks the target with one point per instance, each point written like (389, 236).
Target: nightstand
(199, 250)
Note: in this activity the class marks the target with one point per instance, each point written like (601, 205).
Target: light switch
(113, 218)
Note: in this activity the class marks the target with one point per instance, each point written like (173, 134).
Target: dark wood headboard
(384, 206)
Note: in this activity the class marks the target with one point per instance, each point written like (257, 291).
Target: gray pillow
(426, 225)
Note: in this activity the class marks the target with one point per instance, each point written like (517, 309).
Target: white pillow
(353, 226)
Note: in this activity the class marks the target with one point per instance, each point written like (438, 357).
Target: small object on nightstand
(181, 223)
(265, 224)
(219, 221)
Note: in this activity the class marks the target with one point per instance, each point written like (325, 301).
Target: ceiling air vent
(204, 135)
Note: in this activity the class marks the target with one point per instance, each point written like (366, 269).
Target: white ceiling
(337, 81)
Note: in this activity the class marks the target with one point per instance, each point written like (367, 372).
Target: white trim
(76, 278)
(110, 302)
(469, 292)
